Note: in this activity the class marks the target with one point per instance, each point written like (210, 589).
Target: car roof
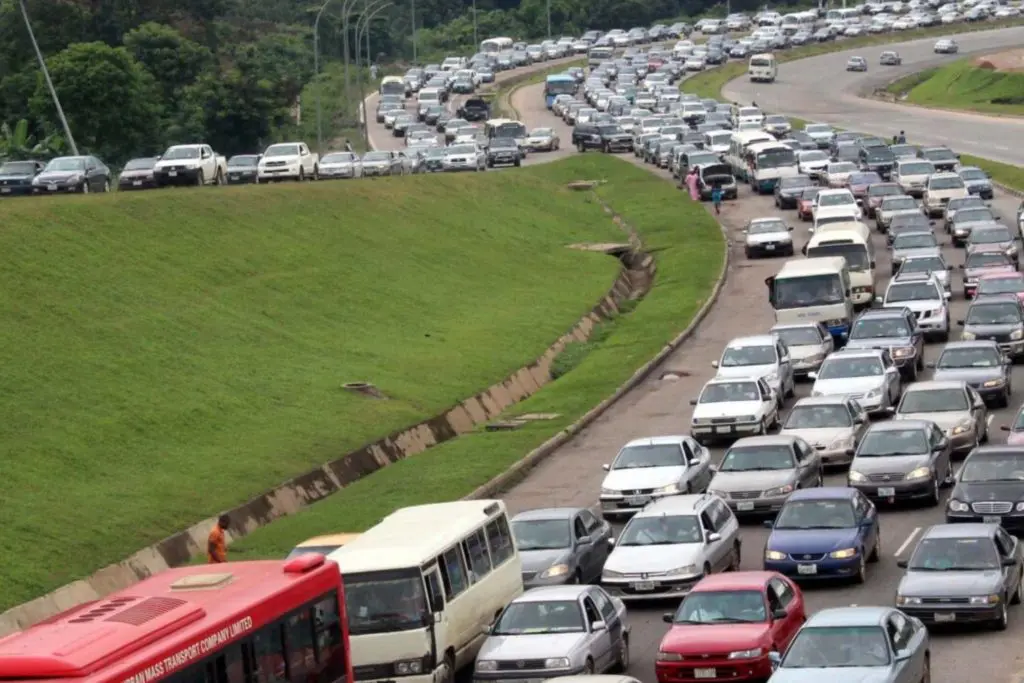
(795, 326)
(897, 425)
(940, 175)
(547, 513)
(850, 353)
(734, 581)
(765, 440)
(564, 592)
(971, 344)
(690, 503)
(966, 530)
(918, 276)
(894, 312)
(848, 616)
(671, 440)
(824, 493)
(729, 380)
(996, 298)
(934, 385)
(753, 340)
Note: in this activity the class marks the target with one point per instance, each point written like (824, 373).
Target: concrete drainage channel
(484, 410)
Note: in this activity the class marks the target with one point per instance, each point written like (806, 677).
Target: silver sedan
(758, 473)
(585, 632)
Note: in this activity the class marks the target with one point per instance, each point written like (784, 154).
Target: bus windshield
(389, 87)
(385, 601)
(509, 130)
(763, 62)
(566, 86)
(807, 290)
(776, 158)
(856, 255)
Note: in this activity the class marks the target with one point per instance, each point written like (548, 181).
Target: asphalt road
(820, 89)
(658, 407)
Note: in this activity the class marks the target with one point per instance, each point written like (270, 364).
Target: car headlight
(670, 489)
(920, 473)
(985, 599)
(555, 570)
(904, 600)
(409, 666)
(779, 491)
(685, 570)
(874, 393)
(993, 383)
(669, 656)
(610, 574)
(841, 443)
(610, 492)
(747, 654)
(958, 506)
(967, 336)
(844, 554)
(855, 476)
(904, 352)
(1017, 334)
(486, 665)
(556, 663)
(774, 555)
(961, 428)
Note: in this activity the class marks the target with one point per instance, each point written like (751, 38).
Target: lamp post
(371, 10)
(476, 38)
(346, 11)
(49, 83)
(549, 19)
(316, 72)
(414, 45)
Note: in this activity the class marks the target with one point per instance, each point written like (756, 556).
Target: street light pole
(346, 10)
(476, 38)
(549, 19)
(414, 45)
(371, 10)
(316, 72)
(49, 83)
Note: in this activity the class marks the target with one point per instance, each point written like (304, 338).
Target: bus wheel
(446, 672)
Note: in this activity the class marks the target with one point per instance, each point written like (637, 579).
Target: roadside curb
(521, 468)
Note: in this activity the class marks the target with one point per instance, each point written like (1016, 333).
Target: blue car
(823, 533)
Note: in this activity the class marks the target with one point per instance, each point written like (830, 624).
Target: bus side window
(204, 672)
(453, 573)
(500, 539)
(268, 653)
(327, 627)
(298, 631)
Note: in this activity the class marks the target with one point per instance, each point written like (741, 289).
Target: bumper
(933, 325)
(241, 178)
(269, 175)
(713, 670)
(830, 457)
(991, 394)
(518, 677)
(1012, 522)
(766, 185)
(337, 175)
(127, 185)
(1014, 349)
(960, 614)
(769, 249)
(15, 190)
(627, 505)
(651, 589)
(896, 490)
(757, 506)
(729, 431)
(802, 367)
(839, 332)
(863, 298)
(58, 188)
(983, 192)
(962, 443)
(187, 177)
(787, 202)
(503, 161)
(824, 569)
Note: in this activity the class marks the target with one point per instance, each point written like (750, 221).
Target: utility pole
(476, 38)
(371, 10)
(414, 45)
(549, 19)
(346, 10)
(49, 83)
(316, 73)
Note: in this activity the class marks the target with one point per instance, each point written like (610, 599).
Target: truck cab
(190, 165)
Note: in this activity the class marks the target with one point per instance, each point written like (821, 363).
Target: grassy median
(171, 354)
(963, 85)
(688, 246)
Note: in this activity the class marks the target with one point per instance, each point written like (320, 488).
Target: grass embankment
(962, 85)
(711, 82)
(171, 354)
(689, 248)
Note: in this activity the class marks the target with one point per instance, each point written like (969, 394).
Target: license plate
(944, 618)
(744, 506)
(705, 673)
(723, 430)
(769, 247)
(886, 492)
(807, 569)
(638, 500)
(643, 586)
(992, 519)
(51, 188)
(5, 190)
(137, 183)
(173, 174)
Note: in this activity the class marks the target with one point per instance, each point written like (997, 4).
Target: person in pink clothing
(691, 183)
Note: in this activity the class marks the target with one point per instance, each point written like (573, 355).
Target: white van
(767, 162)
(717, 141)
(740, 141)
(762, 68)
(813, 290)
(842, 224)
(857, 248)
(421, 586)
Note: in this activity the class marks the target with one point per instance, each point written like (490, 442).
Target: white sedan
(728, 408)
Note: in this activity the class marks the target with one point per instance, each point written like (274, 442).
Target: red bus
(239, 622)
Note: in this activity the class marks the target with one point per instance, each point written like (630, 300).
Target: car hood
(751, 481)
(889, 213)
(1004, 328)
(969, 375)
(749, 370)
(642, 478)
(978, 271)
(946, 420)
(57, 176)
(529, 646)
(811, 541)
(17, 176)
(847, 386)
(698, 639)
(726, 409)
(630, 559)
(762, 238)
(951, 584)
(289, 159)
(539, 560)
(907, 252)
(823, 437)
(332, 164)
(878, 343)
(889, 464)
(799, 352)
(989, 490)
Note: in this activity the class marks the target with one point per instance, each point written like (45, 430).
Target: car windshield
(810, 290)
(818, 417)
(976, 357)
(776, 158)
(541, 534)
(821, 647)
(917, 168)
(878, 155)
(837, 367)
(914, 241)
(540, 616)
(928, 264)
(282, 151)
(856, 255)
(960, 203)
(140, 164)
(722, 607)
(912, 291)
(610, 130)
(757, 458)
(541, 133)
(776, 119)
(724, 392)
(973, 174)
(503, 143)
(909, 221)
(838, 199)
(810, 193)
(813, 156)
(880, 327)
(886, 442)
(816, 514)
(899, 204)
(993, 467)
(955, 554)
(818, 128)
(653, 455)
(736, 356)
(661, 530)
(864, 178)
(974, 215)
(939, 154)
(66, 164)
(1001, 285)
(766, 227)
(339, 158)
(946, 183)
(385, 601)
(934, 401)
(990, 235)
(986, 259)
(994, 313)
(23, 167)
(799, 182)
(461, 149)
(181, 153)
(885, 190)
(841, 167)
(243, 160)
(798, 336)
(903, 150)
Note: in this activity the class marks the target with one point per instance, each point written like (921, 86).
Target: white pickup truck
(288, 161)
(190, 165)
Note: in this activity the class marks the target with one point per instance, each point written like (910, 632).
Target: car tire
(106, 185)
(447, 670)
(622, 662)
(933, 495)
(588, 667)
(1004, 399)
(85, 187)
(1018, 594)
(876, 552)
(734, 565)
(950, 477)
(580, 147)
(1003, 620)
(861, 576)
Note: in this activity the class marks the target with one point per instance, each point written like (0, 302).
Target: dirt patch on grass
(1010, 60)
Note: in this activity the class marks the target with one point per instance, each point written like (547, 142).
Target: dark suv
(503, 152)
(892, 329)
(607, 137)
(475, 109)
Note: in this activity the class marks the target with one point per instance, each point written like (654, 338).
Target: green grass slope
(962, 85)
(689, 249)
(170, 354)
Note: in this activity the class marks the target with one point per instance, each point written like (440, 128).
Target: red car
(727, 625)
(985, 259)
(1001, 283)
(805, 203)
(1016, 429)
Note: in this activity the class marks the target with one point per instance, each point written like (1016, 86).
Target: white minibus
(495, 45)
(762, 68)
(857, 248)
(767, 162)
(813, 290)
(422, 585)
(740, 141)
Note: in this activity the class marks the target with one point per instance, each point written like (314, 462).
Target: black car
(242, 169)
(504, 152)
(881, 160)
(16, 177)
(137, 174)
(892, 329)
(607, 137)
(65, 175)
(475, 109)
(989, 488)
(788, 191)
(943, 158)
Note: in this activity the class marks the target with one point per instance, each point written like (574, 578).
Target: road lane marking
(910, 539)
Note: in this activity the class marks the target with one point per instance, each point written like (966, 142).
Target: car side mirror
(1009, 561)
(611, 541)
(960, 323)
(714, 537)
(943, 442)
(960, 267)
(903, 655)
(586, 540)
(486, 630)
(668, 617)
(598, 626)
(775, 658)
(714, 363)
(606, 467)
(789, 228)
(851, 452)
(1005, 428)
(768, 523)
(812, 375)
(693, 401)
(902, 564)
(879, 299)
(779, 614)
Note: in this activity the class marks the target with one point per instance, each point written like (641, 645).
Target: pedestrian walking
(691, 184)
(716, 198)
(216, 543)
(374, 71)
(348, 145)
(901, 138)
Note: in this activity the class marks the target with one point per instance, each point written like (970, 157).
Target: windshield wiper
(816, 526)
(883, 455)
(757, 469)
(734, 620)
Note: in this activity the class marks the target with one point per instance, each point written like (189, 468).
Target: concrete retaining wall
(632, 282)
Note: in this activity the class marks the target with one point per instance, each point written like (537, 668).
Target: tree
(112, 103)
(173, 60)
(18, 143)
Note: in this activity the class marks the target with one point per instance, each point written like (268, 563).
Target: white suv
(670, 545)
(762, 356)
(923, 294)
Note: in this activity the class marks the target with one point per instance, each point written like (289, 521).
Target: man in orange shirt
(216, 544)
